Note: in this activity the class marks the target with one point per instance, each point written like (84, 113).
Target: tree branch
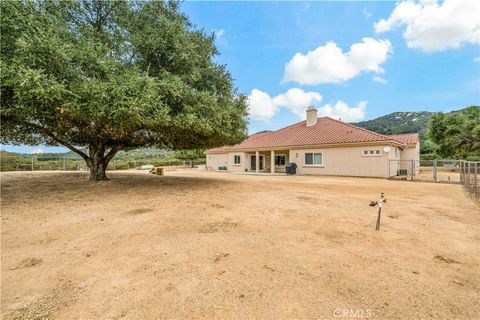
(60, 141)
(113, 151)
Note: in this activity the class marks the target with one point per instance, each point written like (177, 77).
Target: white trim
(240, 160)
(313, 157)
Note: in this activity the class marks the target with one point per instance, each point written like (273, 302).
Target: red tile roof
(325, 131)
(407, 138)
(252, 137)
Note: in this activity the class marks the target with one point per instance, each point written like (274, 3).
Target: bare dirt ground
(218, 245)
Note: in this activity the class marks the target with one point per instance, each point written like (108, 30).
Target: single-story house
(319, 146)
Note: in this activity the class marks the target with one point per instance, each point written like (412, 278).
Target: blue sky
(352, 60)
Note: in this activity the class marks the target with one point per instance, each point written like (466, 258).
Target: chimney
(311, 116)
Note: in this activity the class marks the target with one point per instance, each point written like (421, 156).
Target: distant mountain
(404, 122)
(398, 122)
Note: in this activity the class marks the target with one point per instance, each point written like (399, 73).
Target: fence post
(32, 163)
(475, 179)
(469, 189)
(64, 164)
(435, 170)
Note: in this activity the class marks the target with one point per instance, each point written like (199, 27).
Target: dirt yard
(219, 245)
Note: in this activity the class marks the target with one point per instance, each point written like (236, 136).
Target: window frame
(284, 159)
(235, 163)
(371, 153)
(313, 164)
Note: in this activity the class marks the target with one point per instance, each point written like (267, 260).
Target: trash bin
(291, 168)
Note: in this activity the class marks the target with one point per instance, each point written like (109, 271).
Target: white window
(236, 159)
(313, 159)
(372, 153)
(279, 159)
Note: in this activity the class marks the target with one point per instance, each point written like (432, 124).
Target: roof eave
(316, 146)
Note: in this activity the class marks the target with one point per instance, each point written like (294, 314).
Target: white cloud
(260, 105)
(263, 107)
(219, 33)
(341, 110)
(430, 26)
(329, 64)
(379, 80)
(297, 100)
(477, 59)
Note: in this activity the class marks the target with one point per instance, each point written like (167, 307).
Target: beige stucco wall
(411, 153)
(407, 155)
(216, 160)
(342, 161)
(346, 161)
(236, 167)
(394, 154)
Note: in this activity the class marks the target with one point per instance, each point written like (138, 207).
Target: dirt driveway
(218, 245)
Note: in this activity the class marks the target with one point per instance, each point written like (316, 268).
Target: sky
(351, 60)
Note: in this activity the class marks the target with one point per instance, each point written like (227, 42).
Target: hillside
(398, 122)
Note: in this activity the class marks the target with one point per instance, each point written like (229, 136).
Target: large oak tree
(102, 76)
(457, 134)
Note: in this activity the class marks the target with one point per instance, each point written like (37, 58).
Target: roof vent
(311, 116)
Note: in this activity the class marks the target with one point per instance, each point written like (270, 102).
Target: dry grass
(218, 245)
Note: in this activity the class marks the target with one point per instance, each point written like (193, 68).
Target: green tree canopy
(113, 75)
(456, 134)
(192, 154)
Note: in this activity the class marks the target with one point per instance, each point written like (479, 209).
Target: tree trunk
(98, 161)
(97, 169)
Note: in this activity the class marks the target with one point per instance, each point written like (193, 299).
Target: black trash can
(291, 168)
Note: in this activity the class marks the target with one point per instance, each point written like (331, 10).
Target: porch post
(257, 161)
(272, 161)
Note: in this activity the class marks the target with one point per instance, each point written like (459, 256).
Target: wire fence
(438, 171)
(469, 176)
(33, 164)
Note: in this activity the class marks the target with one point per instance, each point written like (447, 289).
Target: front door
(253, 162)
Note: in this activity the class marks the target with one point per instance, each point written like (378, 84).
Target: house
(320, 146)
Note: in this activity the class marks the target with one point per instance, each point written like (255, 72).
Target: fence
(469, 171)
(438, 171)
(65, 164)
